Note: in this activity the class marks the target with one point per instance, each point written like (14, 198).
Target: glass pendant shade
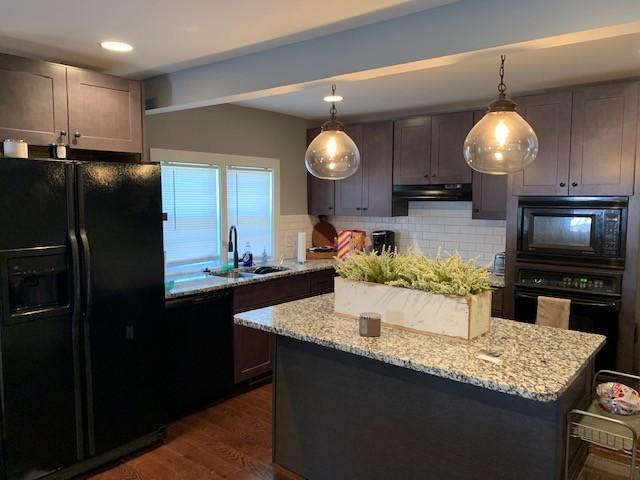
(332, 155)
(501, 142)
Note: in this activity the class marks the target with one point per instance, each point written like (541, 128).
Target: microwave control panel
(608, 284)
(611, 240)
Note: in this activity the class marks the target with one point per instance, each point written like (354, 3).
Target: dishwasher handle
(223, 295)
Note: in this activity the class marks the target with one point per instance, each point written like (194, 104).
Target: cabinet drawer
(321, 282)
(271, 292)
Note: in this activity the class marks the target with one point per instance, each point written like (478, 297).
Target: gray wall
(235, 130)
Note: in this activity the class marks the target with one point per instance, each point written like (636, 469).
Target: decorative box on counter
(459, 317)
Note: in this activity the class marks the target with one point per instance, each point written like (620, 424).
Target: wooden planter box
(448, 315)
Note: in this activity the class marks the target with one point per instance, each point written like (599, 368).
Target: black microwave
(573, 230)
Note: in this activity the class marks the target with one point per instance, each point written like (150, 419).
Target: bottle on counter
(58, 151)
(247, 258)
(265, 256)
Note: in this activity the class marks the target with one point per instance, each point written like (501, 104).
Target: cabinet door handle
(562, 184)
(365, 208)
(574, 184)
(77, 135)
(330, 208)
(63, 133)
(426, 176)
(433, 175)
(358, 208)
(476, 210)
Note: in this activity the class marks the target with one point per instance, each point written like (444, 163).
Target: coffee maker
(383, 240)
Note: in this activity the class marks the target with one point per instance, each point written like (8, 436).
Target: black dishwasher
(200, 351)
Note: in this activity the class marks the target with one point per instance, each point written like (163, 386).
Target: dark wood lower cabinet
(253, 353)
(254, 349)
(497, 302)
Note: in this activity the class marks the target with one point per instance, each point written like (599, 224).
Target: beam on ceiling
(429, 36)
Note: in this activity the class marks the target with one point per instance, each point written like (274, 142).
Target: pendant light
(502, 141)
(332, 155)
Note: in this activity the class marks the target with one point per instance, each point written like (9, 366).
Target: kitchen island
(407, 405)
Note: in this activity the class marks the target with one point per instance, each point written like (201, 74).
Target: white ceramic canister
(15, 148)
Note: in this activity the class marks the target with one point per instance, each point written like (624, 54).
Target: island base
(342, 416)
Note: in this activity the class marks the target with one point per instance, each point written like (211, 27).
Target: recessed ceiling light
(116, 46)
(332, 98)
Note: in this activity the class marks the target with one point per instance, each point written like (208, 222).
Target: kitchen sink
(266, 269)
(233, 274)
(248, 272)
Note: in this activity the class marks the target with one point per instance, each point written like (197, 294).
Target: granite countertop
(497, 281)
(537, 363)
(194, 284)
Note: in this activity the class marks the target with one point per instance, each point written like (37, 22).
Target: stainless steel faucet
(233, 245)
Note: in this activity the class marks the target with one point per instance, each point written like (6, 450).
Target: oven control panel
(608, 284)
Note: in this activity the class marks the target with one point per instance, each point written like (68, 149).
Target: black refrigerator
(81, 309)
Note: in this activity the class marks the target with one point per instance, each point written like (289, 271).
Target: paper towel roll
(301, 255)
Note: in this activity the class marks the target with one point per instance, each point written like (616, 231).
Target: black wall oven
(595, 303)
(586, 231)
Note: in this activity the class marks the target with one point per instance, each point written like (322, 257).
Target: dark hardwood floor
(231, 440)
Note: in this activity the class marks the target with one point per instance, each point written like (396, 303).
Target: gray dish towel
(553, 312)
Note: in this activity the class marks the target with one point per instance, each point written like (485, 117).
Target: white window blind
(250, 207)
(190, 200)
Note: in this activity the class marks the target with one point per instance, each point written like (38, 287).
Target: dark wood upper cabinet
(412, 151)
(603, 139)
(428, 150)
(448, 133)
(105, 112)
(377, 171)
(33, 100)
(369, 191)
(349, 190)
(489, 196)
(44, 103)
(550, 117)
(320, 193)
(489, 192)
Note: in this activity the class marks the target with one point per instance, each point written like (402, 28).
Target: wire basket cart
(599, 427)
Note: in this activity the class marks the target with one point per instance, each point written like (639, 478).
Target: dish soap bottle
(265, 256)
(247, 258)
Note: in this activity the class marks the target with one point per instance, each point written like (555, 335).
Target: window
(204, 194)
(190, 200)
(250, 207)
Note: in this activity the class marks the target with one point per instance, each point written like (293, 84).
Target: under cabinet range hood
(445, 191)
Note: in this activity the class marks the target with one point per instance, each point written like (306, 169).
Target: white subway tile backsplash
(287, 236)
(431, 226)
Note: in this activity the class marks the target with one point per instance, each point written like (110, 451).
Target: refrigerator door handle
(76, 309)
(86, 248)
(75, 333)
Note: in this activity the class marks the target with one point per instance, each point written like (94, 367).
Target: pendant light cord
(501, 86)
(333, 109)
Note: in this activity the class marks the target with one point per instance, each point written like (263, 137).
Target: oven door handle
(584, 303)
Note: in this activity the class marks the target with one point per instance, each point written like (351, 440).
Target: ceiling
(469, 80)
(169, 35)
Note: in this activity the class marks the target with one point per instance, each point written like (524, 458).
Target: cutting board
(323, 234)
